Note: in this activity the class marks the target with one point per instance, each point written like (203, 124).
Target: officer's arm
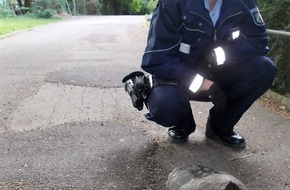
(254, 31)
(163, 43)
(253, 39)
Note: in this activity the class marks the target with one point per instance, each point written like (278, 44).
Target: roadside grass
(10, 25)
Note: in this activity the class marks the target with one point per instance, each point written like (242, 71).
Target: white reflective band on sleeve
(196, 83)
(150, 80)
(220, 55)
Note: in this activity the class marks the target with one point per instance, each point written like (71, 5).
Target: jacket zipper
(214, 35)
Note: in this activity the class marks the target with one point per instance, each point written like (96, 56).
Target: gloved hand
(210, 58)
(217, 97)
(215, 57)
(207, 63)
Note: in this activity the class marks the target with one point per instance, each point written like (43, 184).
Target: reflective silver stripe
(150, 80)
(220, 55)
(196, 83)
(235, 34)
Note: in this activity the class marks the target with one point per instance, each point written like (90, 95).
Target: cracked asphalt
(67, 123)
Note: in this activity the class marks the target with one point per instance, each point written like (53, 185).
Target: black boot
(233, 139)
(177, 135)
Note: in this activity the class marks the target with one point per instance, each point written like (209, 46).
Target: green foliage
(280, 54)
(143, 4)
(40, 12)
(124, 7)
(5, 11)
(10, 25)
(99, 6)
(44, 8)
(47, 8)
(134, 7)
(151, 6)
(276, 14)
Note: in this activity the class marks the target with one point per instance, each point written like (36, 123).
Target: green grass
(10, 25)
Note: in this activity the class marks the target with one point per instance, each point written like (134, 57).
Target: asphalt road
(67, 123)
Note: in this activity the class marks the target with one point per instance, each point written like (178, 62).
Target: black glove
(206, 63)
(217, 97)
(210, 59)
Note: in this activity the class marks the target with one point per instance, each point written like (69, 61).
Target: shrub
(151, 6)
(6, 11)
(47, 8)
(276, 14)
(44, 13)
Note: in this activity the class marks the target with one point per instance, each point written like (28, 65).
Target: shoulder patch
(257, 17)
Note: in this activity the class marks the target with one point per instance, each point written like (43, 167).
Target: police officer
(215, 51)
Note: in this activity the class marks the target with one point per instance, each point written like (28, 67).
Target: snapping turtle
(202, 178)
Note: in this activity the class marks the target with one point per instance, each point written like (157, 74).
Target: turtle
(198, 177)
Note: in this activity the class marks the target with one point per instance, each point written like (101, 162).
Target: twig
(248, 155)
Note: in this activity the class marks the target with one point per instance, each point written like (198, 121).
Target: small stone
(283, 108)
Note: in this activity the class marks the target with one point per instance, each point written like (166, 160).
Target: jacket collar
(197, 7)
(228, 8)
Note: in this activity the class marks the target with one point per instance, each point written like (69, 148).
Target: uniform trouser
(242, 83)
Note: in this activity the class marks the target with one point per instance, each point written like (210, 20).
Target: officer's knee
(268, 70)
(167, 109)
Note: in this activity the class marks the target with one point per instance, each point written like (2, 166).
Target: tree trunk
(74, 8)
(20, 6)
(67, 4)
(20, 3)
(27, 4)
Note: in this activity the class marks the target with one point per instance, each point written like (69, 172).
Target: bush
(151, 6)
(5, 11)
(280, 54)
(44, 13)
(276, 14)
(47, 8)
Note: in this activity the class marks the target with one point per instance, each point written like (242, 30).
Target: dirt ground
(274, 106)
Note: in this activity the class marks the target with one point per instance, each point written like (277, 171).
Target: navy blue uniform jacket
(182, 30)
